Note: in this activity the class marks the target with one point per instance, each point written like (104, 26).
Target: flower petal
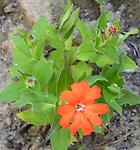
(68, 96)
(86, 126)
(98, 108)
(80, 89)
(66, 119)
(81, 122)
(65, 109)
(93, 94)
(94, 118)
(75, 126)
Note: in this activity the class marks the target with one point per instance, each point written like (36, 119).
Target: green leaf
(65, 79)
(61, 140)
(82, 69)
(111, 52)
(102, 22)
(34, 118)
(58, 58)
(49, 98)
(80, 133)
(117, 24)
(99, 129)
(23, 34)
(128, 65)
(40, 47)
(95, 30)
(40, 28)
(131, 32)
(54, 38)
(93, 79)
(34, 99)
(44, 31)
(21, 61)
(42, 105)
(71, 56)
(21, 45)
(51, 86)
(66, 15)
(86, 52)
(111, 73)
(109, 16)
(107, 117)
(68, 43)
(114, 88)
(12, 92)
(55, 128)
(55, 41)
(39, 31)
(114, 40)
(45, 109)
(52, 30)
(13, 72)
(42, 71)
(104, 60)
(68, 25)
(85, 31)
(128, 98)
(110, 99)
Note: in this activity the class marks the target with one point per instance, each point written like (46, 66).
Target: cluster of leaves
(38, 81)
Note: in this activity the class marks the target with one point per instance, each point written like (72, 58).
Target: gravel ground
(122, 134)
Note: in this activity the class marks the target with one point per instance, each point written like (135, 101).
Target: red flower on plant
(112, 29)
(81, 112)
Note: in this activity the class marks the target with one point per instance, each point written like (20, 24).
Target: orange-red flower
(81, 112)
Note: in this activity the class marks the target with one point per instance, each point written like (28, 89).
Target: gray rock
(136, 148)
(3, 3)
(110, 148)
(33, 9)
(9, 8)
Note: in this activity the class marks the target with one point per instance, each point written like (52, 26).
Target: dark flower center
(80, 107)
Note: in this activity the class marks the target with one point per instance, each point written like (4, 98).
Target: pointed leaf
(99, 129)
(55, 41)
(42, 71)
(131, 32)
(86, 52)
(107, 117)
(58, 58)
(82, 69)
(21, 45)
(110, 99)
(68, 25)
(102, 22)
(65, 79)
(61, 140)
(111, 52)
(21, 61)
(104, 60)
(12, 92)
(35, 118)
(40, 28)
(93, 79)
(128, 98)
(85, 31)
(128, 64)
(66, 15)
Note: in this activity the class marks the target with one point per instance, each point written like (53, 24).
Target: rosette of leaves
(39, 80)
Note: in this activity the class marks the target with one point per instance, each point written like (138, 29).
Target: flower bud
(30, 81)
(31, 40)
(112, 29)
